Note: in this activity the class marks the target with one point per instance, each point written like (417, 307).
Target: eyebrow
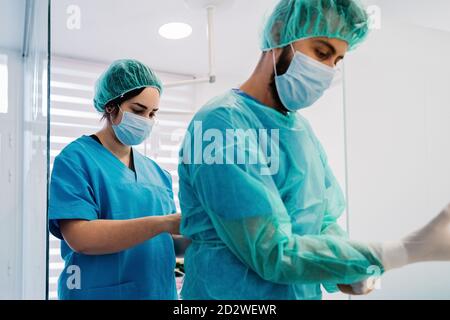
(140, 105)
(328, 45)
(145, 107)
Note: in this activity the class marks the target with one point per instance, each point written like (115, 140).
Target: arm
(333, 211)
(266, 245)
(75, 216)
(251, 219)
(100, 237)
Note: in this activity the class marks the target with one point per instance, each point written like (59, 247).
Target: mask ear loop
(293, 50)
(123, 113)
(274, 62)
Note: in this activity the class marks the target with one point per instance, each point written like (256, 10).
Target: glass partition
(24, 64)
(397, 111)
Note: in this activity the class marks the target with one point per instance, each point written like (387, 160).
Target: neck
(258, 85)
(110, 142)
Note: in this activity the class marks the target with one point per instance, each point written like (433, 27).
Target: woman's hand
(100, 237)
(172, 223)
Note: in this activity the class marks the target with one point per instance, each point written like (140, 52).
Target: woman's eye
(321, 54)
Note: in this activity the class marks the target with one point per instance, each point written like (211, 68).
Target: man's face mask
(304, 83)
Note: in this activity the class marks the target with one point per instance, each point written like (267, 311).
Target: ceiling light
(175, 30)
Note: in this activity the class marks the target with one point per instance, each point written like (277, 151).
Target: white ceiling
(113, 29)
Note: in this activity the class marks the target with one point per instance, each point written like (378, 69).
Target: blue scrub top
(88, 182)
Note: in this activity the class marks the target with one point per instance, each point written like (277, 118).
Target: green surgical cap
(294, 20)
(121, 77)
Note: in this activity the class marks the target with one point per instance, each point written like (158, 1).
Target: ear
(109, 109)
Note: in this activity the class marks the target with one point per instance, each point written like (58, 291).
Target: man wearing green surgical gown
(258, 198)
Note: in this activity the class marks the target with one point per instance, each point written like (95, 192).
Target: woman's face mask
(304, 83)
(133, 129)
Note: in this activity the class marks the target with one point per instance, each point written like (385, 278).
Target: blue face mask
(304, 83)
(133, 129)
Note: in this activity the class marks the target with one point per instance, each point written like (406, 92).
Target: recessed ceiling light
(175, 30)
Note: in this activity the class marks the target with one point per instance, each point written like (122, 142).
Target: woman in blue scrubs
(112, 207)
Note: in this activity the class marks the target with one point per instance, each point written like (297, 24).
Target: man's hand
(358, 289)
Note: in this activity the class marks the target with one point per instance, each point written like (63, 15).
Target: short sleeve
(71, 194)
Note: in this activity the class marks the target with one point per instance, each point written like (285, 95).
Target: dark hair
(118, 101)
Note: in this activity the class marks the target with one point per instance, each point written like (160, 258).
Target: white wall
(398, 112)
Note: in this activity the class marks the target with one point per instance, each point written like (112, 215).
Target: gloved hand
(361, 288)
(431, 243)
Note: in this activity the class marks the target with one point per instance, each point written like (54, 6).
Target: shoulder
(226, 110)
(76, 153)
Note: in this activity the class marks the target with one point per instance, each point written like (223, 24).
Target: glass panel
(399, 137)
(11, 98)
(35, 150)
(4, 84)
(23, 148)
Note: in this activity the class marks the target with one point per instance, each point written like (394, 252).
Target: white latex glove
(361, 288)
(431, 243)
